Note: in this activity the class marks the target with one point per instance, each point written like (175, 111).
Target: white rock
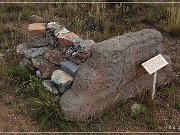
(61, 77)
(62, 31)
(52, 24)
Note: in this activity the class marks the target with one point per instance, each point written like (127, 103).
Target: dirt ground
(10, 121)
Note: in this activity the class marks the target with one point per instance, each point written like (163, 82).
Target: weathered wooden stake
(154, 84)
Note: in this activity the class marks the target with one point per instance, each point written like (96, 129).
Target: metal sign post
(152, 66)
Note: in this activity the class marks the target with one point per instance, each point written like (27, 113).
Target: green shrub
(44, 105)
(22, 73)
(25, 15)
(138, 112)
(169, 90)
(178, 106)
(149, 121)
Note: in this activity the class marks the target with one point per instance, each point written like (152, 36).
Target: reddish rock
(81, 57)
(46, 70)
(67, 39)
(53, 56)
(36, 29)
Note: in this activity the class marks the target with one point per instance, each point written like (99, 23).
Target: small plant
(20, 72)
(138, 112)
(44, 106)
(149, 121)
(24, 15)
(178, 106)
(169, 90)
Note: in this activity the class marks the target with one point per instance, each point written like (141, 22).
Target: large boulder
(114, 73)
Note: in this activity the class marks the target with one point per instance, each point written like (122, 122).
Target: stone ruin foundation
(92, 76)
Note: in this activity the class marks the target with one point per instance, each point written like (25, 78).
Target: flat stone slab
(36, 29)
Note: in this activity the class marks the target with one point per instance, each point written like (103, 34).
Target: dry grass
(173, 20)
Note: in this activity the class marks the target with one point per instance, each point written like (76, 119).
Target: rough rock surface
(114, 73)
(38, 61)
(38, 74)
(62, 79)
(22, 48)
(86, 44)
(50, 86)
(53, 56)
(80, 57)
(46, 70)
(40, 41)
(35, 52)
(69, 67)
(67, 39)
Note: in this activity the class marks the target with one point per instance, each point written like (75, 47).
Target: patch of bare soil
(10, 121)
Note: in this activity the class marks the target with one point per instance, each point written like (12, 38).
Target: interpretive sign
(152, 66)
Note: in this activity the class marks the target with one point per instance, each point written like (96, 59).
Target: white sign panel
(155, 64)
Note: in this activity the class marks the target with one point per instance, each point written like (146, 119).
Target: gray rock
(37, 61)
(25, 63)
(40, 41)
(62, 79)
(35, 52)
(86, 44)
(64, 88)
(76, 41)
(38, 74)
(69, 67)
(114, 73)
(22, 48)
(57, 29)
(50, 86)
(60, 31)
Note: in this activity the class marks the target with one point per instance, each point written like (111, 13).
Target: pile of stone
(97, 74)
(55, 53)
